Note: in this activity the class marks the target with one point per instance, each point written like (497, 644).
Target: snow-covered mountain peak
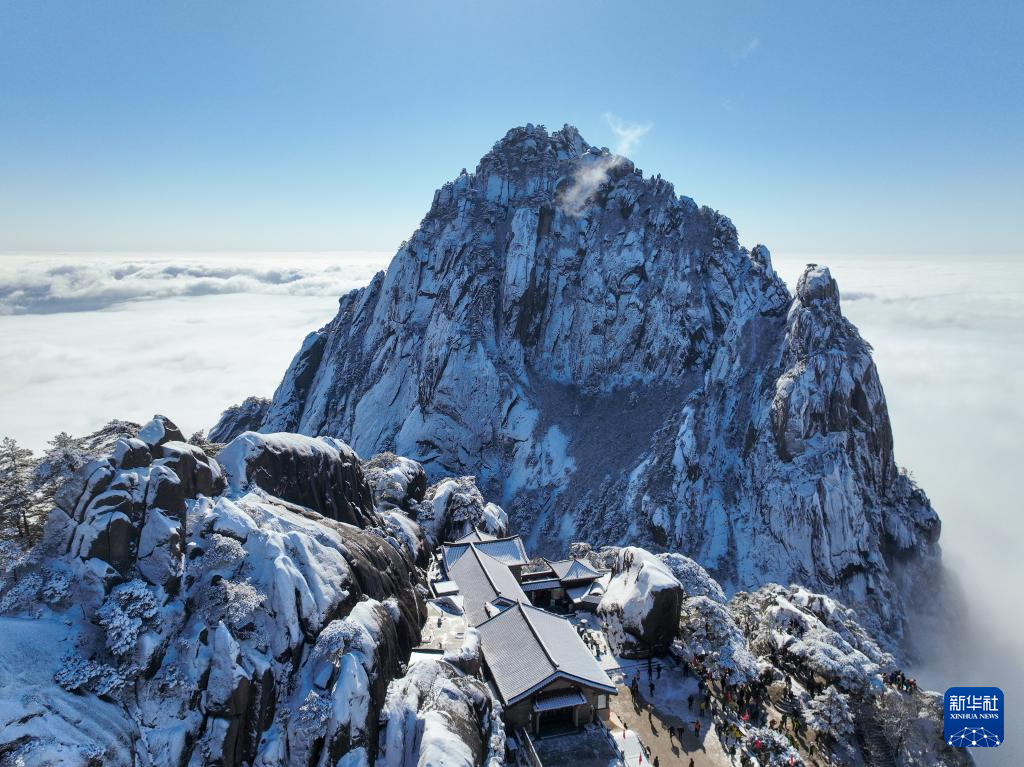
(816, 286)
(531, 141)
(611, 364)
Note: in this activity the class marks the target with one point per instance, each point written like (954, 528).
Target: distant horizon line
(371, 252)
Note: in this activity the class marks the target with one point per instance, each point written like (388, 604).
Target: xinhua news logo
(974, 717)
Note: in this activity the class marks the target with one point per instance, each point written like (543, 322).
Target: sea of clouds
(53, 284)
(87, 338)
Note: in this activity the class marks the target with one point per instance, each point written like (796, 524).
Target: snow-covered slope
(441, 713)
(775, 653)
(611, 364)
(260, 608)
(177, 613)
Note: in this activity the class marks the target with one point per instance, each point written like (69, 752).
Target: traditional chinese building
(546, 677)
(548, 680)
(565, 584)
(487, 584)
(508, 550)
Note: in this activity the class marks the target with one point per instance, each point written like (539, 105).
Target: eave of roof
(453, 552)
(549, 583)
(561, 675)
(475, 537)
(571, 570)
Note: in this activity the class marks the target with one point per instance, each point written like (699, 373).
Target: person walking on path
(689, 702)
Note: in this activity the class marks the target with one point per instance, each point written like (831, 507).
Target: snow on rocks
(246, 416)
(797, 628)
(439, 714)
(694, 579)
(321, 474)
(42, 723)
(398, 485)
(397, 482)
(707, 631)
(640, 606)
(515, 337)
(232, 628)
(160, 429)
(455, 506)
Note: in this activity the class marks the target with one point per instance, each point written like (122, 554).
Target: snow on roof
(526, 647)
(559, 700)
(443, 588)
(508, 550)
(548, 583)
(592, 591)
(476, 537)
(482, 579)
(573, 570)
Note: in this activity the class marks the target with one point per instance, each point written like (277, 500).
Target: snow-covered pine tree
(829, 713)
(61, 460)
(17, 504)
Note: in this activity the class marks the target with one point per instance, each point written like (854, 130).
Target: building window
(602, 701)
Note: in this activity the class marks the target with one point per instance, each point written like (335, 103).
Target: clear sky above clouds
(872, 128)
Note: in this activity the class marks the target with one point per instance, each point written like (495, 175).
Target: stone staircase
(877, 751)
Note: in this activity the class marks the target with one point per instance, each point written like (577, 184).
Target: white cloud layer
(85, 282)
(127, 337)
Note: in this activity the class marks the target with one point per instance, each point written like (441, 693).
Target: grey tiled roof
(548, 583)
(476, 537)
(526, 647)
(507, 550)
(483, 579)
(573, 570)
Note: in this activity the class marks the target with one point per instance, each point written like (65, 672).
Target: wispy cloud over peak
(594, 170)
(628, 134)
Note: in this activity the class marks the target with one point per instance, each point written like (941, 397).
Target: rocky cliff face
(246, 416)
(183, 611)
(611, 364)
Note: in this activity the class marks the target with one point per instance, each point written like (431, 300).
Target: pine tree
(61, 460)
(16, 496)
(829, 713)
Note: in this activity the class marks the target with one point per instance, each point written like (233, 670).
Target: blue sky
(880, 129)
